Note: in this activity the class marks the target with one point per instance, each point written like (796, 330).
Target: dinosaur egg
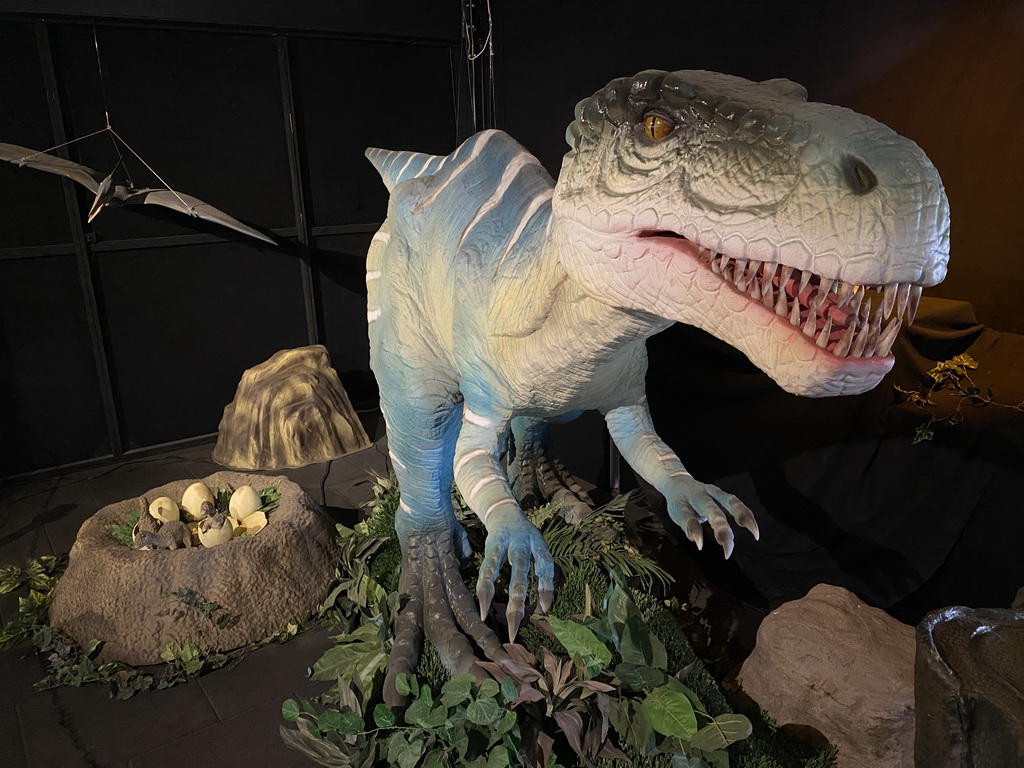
(164, 509)
(193, 498)
(244, 502)
(209, 536)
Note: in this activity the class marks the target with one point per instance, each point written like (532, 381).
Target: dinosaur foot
(538, 476)
(439, 608)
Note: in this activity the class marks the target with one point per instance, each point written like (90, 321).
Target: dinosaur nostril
(859, 176)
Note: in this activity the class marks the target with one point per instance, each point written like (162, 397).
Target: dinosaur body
(499, 302)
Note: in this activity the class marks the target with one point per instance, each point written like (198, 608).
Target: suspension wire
(467, 36)
(99, 69)
(487, 88)
(66, 143)
(190, 208)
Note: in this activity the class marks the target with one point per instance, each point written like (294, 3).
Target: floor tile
(20, 670)
(114, 731)
(244, 741)
(267, 675)
(12, 750)
(49, 741)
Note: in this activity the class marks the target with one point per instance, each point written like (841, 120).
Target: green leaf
(670, 713)
(640, 677)
(402, 684)
(383, 717)
(721, 732)
(640, 646)
(509, 689)
(329, 720)
(488, 689)
(290, 710)
(498, 758)
(457, 690)
(483, 711)
(682, 761)
(10, 578)
(578, 639)
(351, 723)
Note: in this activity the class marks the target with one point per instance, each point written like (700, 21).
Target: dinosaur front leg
(537, 474)
(510, 536)
(690, 502)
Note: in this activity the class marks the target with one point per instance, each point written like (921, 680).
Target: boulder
(126, 597)
(970, 679)
(831, 662)
(288, 412)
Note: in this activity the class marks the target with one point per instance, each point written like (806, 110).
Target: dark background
(132, 332)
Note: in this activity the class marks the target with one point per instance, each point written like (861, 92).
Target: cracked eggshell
(244, 501)
(254, 523)
(193, 498)
(213, 537)
(165, 509)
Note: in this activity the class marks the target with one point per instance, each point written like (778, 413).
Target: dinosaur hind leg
(437, 603)
(537, 474)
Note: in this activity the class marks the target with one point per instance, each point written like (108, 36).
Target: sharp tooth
(794, 314)
(858, 297)
(827, 285)
(737, 271)
(767, 276)
(889, 300)
(716, 264)
(845, 293)
(888, 337)
(810, 324)
(754, 290)
(913, 302)
(726, 263)
(822, 341)
(752, 268)
(781, 308)
(805, 277)
(872, 331)
(768, 298)
(844, 343)
(784, 275)
(858, 345)
(818, 300)
(902, 296)
(864, 315)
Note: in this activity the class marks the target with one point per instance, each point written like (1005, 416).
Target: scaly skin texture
(801, 233)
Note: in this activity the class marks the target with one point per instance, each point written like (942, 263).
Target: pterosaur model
(111, 194)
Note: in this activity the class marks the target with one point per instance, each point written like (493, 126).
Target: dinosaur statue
(499, 302)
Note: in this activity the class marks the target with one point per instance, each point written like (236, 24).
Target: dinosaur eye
(657, 127)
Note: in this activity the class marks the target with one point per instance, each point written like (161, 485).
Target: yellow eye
(657, 127)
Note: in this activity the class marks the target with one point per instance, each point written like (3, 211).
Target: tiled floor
(226, 718)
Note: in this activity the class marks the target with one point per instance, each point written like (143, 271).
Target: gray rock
(831, 662)
(290, 411)
(125, 597)
(970, 679)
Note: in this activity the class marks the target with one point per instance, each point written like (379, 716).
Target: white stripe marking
(666, 456)
(477, 149)
(404, 507)
(396, 461)
(476, 418)
(372, 315)
(373, 275)
(480, 484)
(516, 164)
(412, 156)
(495, 505)
(680, 473)
(531, 210)
(467, 457)
(381, 237)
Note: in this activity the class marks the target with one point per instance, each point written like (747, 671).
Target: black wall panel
(31, 203)
(185, 322)
(51, 412)
(353, 95)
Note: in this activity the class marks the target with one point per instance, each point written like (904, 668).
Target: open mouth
(843, 319)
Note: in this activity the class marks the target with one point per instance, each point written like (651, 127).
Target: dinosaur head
(800, 233)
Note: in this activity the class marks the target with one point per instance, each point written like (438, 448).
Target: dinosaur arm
(690, 502)
(510, 535)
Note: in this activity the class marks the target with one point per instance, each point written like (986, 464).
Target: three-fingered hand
(691, 503)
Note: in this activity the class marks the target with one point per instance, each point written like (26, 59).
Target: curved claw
(484, 594)
(545, 597)
(694, 532)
